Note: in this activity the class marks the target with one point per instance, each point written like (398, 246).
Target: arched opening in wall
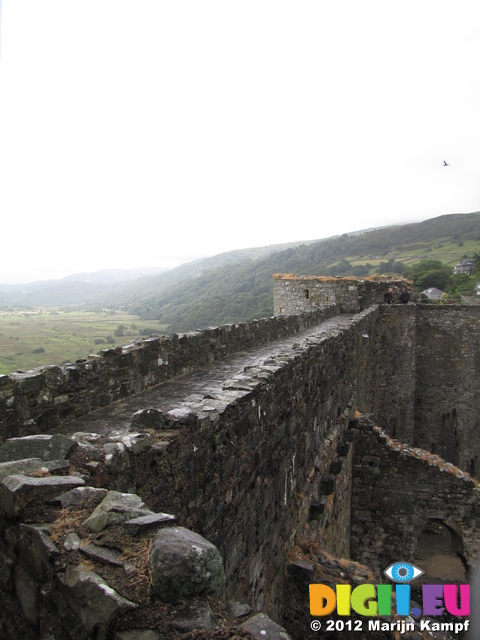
(439, 553)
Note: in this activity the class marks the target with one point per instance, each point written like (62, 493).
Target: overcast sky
(153, 132)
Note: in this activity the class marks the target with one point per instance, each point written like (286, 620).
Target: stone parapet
(39, 400)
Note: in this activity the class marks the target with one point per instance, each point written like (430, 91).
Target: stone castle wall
(297, 294)
(39, 400)
(447, 411)
(251, 473)
(271, 460)
(247, 472)
(398, 490)
(428, 371)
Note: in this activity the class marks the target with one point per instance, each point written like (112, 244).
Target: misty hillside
(238, 285)
(236, 292)
(101, 286)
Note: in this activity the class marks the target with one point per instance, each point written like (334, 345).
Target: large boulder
(185, 565)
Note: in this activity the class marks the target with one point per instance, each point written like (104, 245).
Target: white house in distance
(465, 265)
(433, 293)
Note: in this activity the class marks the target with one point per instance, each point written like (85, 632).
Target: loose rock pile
(80, 561)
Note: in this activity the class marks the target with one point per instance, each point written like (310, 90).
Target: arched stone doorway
(439, 553)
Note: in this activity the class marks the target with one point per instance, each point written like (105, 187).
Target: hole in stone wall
(306, 294)
(439, 553)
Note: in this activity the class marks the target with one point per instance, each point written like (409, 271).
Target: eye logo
(403, 572)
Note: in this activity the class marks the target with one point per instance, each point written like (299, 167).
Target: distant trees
(430, 273)
(360, 270)
(341, 268)
(147, 331)
(391, 267)
(119, 331)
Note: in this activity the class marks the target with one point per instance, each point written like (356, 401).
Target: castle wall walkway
(207, 389)
(255, 444)
(41, 399)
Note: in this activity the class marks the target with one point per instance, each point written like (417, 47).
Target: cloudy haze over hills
(157, 133)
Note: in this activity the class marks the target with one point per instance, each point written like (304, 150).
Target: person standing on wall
(404, 296)
(388, 297)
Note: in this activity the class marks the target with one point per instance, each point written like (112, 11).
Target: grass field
(35, 338)
(445, 250)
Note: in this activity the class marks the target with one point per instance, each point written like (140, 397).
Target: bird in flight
(445, 163)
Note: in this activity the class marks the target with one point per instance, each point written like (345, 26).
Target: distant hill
(102, 286)
(74, 289)
(238, 285)
(221, 290)
(104, 276)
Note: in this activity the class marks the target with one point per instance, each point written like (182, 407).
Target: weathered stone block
(116, 508)
(76, 498)
(37, 549)
(23, 467)
(46, 447)
(136, 442)
(195, 614)
(262, 628)
(239, 609)
(27, 592)
(138, 525)
(185, 565)
(116, 457)
(18, 492)
(28, 382)
(149, 419)
(94, 602)
(102, 554)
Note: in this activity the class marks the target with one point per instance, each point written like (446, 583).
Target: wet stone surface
(204, 389)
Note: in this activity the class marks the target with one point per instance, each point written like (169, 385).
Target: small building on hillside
(296, 294)
(433, 293)
(466, 266)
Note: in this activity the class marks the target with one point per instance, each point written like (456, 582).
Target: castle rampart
(39, 400)
(275, 455)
